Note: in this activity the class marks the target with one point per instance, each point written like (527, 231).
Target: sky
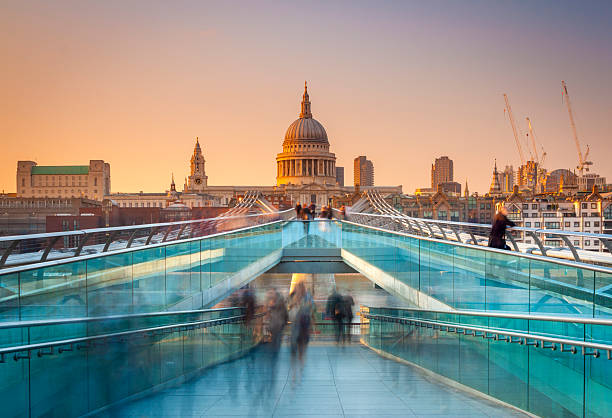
(134, 83)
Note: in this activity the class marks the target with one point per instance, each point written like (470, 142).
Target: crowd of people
(309, 213)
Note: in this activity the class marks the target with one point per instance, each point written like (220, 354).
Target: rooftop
(60, 169)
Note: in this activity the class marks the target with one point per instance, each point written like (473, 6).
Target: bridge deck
(348, 381)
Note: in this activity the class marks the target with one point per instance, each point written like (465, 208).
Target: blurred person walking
(347, 304)
(298, 210)
(300, 314)
(335, 310)
(498, 230)
(276, 319)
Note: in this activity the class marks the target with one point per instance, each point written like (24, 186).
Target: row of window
(534, 206)
(35, 203)
(587, 224)
(555, 215)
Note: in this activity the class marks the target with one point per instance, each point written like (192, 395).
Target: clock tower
(197, 180)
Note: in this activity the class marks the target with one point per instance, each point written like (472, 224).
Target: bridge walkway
(337, 381)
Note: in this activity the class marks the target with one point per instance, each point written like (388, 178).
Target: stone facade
(87, 181)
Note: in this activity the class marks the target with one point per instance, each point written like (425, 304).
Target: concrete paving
(336, 381)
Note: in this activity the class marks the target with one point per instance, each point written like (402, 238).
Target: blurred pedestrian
(335, 310)
(298, 210)
(305, 216)
(300, 314)
(276, 318)
(313, 210)
(347, 304)
(498, 230)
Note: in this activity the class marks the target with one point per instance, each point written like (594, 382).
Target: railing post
(167, 233)
(50, 246)
(571, 247)
(84, 239)
(513, 241)
(178, 237)
(456, 233)
(131, 239)
(8, 251)
(537, 241)
(150, 237)
(110, 239)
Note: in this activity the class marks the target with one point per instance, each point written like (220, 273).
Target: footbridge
(127, 328)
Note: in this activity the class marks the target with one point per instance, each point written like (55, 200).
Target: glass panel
(109, 285)
(54, 292)
(149, 280)
(9, 297)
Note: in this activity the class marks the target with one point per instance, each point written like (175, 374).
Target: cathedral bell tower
(198, 180)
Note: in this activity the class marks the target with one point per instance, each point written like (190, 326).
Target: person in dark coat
(298, 210)
(498, 230)
(313, 210)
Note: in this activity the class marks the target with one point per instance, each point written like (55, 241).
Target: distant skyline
(134, 83)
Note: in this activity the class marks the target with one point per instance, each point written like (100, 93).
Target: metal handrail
(536, 340)
(66, 260)
(197, 227)
(63, 321)
(472, 225)
(531, 317)
(75, 341)
(131, 227)
(559, 261)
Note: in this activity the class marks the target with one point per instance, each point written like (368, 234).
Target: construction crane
(539, 159)
(541, 171)
(514, 130)
(582, 159)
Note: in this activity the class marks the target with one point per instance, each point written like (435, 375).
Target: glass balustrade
(540, 380)
(71, 380)
(149, 279)
(163, 276)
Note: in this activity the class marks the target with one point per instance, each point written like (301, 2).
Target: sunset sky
(133, 83)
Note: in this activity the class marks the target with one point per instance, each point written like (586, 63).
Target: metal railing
(565, 345)
(85, 342)
(478, 234)
(34, 248)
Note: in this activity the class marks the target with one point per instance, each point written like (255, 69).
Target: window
(551, 243)
(95, 181)
(537, 225)
(593, 205)
(442, 214)
(528, 224)
(576, 224)
(552, 225)
(576, 242)
(587, 224)
(567, 224)
(548, 215)
(534, 206)
(585, 205)
(525, 206)
(587, 243)
(595, 242)
(596, 223)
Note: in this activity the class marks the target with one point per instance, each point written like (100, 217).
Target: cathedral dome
(306, 128)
